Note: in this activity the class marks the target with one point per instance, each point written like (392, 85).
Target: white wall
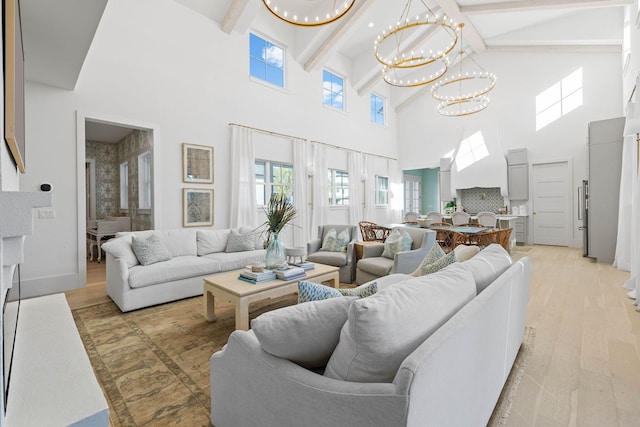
(424, 136)
(157, 63)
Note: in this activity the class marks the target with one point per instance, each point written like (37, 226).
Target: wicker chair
(434, 216)
(459, 218)
(487, 219)
(500, 236)
(372, 232)
(411, 218)
(448, 239)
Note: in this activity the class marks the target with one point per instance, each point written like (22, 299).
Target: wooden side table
(359, 249)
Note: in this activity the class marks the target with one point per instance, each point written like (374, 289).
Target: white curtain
(369, 181)
(243, 209)
(622, 259)
(634, 254)
(301, 229)
(396, 187)
(355, 187)
(319, 187)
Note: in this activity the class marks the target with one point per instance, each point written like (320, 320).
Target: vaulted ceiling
(57, 38)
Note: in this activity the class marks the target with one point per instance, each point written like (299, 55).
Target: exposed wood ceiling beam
(611, 48)
(529, 5)
(344, 25)
(471, 35)
(236, 8)
(369, 84)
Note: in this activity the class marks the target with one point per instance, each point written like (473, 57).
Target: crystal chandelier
(409, 58)
(463, 93)
(309, 13)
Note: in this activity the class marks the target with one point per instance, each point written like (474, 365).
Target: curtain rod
(305, 139)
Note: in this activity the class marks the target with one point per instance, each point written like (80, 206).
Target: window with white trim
(332, 90)
(266, 60)
(338, 187)
(144, 180)
(382, 190)
(377, 107)
(124, 185)
(272, 178)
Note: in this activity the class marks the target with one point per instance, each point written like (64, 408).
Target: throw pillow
(306, 334)
(329, 240)
(150, 250)
(398, 241)
(424, 269)
(382, 330)
(309, 291)
(240, 242)
(465, 253)
(434, 254)
(336, 242)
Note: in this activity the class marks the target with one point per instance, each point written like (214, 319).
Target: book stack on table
(291, 273)
(256, 277)
(307, 265)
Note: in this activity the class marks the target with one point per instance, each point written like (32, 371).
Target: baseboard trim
(30, 288)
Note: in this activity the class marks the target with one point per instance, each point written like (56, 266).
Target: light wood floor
(584, 369)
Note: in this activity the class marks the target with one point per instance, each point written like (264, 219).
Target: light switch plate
(46, 213)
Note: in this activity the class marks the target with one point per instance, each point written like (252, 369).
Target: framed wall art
(197, 163)
(14, 83)
(197, 207)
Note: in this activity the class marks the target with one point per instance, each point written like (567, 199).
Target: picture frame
(197, 163)
(14, 116)
(197, 207)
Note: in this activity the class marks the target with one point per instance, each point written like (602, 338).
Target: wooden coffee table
(228, 287)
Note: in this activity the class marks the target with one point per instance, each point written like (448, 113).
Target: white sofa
(453, 377)
(194, 255)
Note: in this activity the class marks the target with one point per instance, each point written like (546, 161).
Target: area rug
(153, 363)
(501, 412)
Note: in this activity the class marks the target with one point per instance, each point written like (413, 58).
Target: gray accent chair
(344, 260)
(374, 265)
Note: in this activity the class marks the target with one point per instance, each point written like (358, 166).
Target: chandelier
(409, 58)
(464, 93)
(309, 13)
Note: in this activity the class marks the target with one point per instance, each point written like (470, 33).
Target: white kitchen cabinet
(518, 182)
(521, 230)
(445, 186)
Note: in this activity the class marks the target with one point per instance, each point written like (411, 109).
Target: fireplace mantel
(16, 222)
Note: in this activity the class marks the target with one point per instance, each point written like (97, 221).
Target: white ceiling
(57, 38)
(104, 132)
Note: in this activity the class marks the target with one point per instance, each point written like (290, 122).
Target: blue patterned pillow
(435, 253)
(309, 291)
(434, 266)
(398, 241)
(334, 242)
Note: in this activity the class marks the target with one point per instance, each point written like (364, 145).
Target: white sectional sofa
(193, 254)
(433, 350)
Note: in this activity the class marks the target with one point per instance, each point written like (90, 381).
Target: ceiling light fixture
(408, 59)
(309, 13)
(463, 93)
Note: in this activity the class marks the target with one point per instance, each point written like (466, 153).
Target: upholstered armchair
(373, 265)
(344, 260)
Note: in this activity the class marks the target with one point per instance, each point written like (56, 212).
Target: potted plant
(279, 211)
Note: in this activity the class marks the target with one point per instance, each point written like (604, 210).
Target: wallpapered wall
(107, 173)
(108, 158)
(477, 199)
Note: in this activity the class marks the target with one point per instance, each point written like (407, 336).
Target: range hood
(478, 163)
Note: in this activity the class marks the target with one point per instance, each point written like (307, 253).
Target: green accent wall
(430, 188)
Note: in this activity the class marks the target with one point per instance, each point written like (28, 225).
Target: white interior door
(551, 205)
